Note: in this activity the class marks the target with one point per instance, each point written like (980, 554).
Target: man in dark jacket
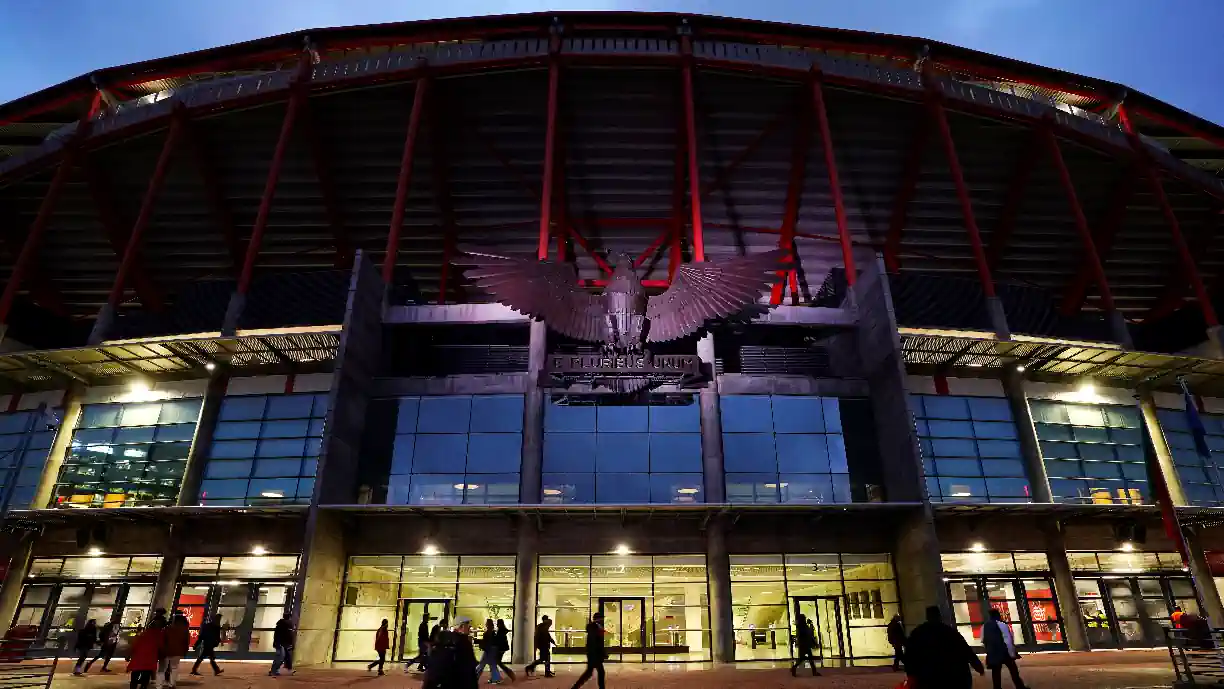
(1001, 653)
(282, 641)
(423, 637)
(452, 659)
(595, 654)
(85, 641)
(108, 639)
(937, 656)
(805, 641)
(896, 639)
(543, 645)
(206, 644)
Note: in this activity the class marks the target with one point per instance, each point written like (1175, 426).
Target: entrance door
(1094, 610)
(624, 628)
(825, 615)
(411, 612)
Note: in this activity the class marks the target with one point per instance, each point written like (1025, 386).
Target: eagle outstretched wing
(540, 289)
(709, 290)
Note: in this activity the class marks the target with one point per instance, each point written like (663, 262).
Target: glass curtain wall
(1093, 452)
(603, 449)
(265, 450)
(784, 448)
(969, 449)
(656, 608)
(850, 600)
(63, 593)
(128, 455)
(249, 592)
(457, 449)
(1126, 599)
(406, 589)
(1017, 584)
(25, 440)
(1201, 477)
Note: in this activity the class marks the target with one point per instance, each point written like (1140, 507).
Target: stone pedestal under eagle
(623, 317)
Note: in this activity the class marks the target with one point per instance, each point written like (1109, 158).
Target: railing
(21, 668)
(1198, 660)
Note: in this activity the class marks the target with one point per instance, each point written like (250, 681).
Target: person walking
(503, 647)
(206, 645)
(108, 640)
(543, 645)
(422, 646)
(805, 641)
(488, 653)
(145, 651)
(938, 657)
(896, 639)
(177, 643)
(382, 641)
(282, 641)
(86, 638)
(1001, 653)
(595, 654)
(452, 659)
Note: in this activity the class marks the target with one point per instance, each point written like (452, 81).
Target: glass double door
(249, 612)
(412, 613)
(1131, 612)
(624, 628)
(824, 615)
(60, 610)
(1027, 604)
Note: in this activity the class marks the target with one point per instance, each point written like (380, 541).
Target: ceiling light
(272, 494)
(259, 550)
(1087, 388)
(622, 549)
(430, 549)
(1127, 547)
(459, 486)
(961, 495)
(978, 547)
(95, 551)
(210, 366)
(1019, 368)
(139, 387)
(551, 491)
(686, 491)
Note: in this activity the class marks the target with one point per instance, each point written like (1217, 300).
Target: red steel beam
(1017, 189)
(214, 194)
(650, 250)
(690, 130)
(940, 116)
(1092, 258)
(800, 143)
(321, 160)
(675, 253)
(839, 205)
(905, 193)
(297, 99)
(440, 155)
(550, 146)
(403, 182)
(1106, 232)
(723, 176)
(29, 248)
(117, 235)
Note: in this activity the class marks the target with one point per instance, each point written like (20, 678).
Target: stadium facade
(245, 372)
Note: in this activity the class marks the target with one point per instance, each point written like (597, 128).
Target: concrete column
(1118, 330)
(718, 571)
(525, 570)
(711, 427)
(1026, 432)
(167, 576)
(201, 441)
(1064, 587)
(233, 313)
(919, 569)
(14, 579)
(533, 418)
(319, 588)
(59, 448)
(1200, 570)
(1164, 456)
(998, 318)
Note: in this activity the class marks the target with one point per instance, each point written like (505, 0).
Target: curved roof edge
(249, 53)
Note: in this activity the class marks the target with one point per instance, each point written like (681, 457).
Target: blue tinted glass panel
(749, 452)
(497, 414)
(622, 452)
(798, 414)
(622, 419)
(494, 452)
(813, 489)
(289, 406)
(568, 488)
(491, 489)
(569, 452)
(675, 452)
(622, 488)
(406, 418)
(832, 414)
(436, 489)
(676, 488)
(569, 418)
(440, 453)
(675, 418)
(444, 415)
(802, 453)
(746, 414)
(752, 488)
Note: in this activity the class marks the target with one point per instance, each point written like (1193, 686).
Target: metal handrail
(1197, 656)
(21, 667)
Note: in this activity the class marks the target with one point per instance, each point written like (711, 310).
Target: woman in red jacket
(382, 641)
(146, 648)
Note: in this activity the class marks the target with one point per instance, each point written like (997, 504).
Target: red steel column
(794, 197)
(404, 180)
(1179, 240)
(550, 146)
(839, 206)
(296, 100)
(29, 248)
(676, 237)
(690, 130)
(132, 250)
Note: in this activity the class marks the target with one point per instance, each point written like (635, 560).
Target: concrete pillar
(102, 325)
(533, 418)
(1064, 587)
(718, 571)
(1026, 432)
(233, 313)
(919, 569)
(14, 579)
(998, 318)
(201, 441)
(1118, 330)
(319, 588)
(167, 576)
(711, 427)
(525, 570)
(1164, 456)
(59, 448)
(1200, 570)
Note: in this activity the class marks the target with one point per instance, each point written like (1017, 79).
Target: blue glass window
(784, 448)
(1202, 477)
(282, 434)
(598, 449)
(461, 449)
(25, 437)
(1093, 453)
(960, 438)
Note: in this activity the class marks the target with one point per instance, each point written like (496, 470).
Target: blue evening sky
(1170, 49)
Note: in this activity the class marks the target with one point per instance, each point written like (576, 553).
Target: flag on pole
(1195, 422)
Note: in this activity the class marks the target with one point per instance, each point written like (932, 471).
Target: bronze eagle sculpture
(624, 317)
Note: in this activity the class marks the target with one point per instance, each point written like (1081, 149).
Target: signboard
(622, 372)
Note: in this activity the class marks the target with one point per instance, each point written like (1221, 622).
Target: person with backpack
(85, 640)
(207, 643)
(108, 640)
(452, 659)
(805, 641)
(1000, 650)
(382, 641)
(938, 657)
(595, 654)
(543, 645)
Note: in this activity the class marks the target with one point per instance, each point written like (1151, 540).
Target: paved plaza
(1102, 670)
